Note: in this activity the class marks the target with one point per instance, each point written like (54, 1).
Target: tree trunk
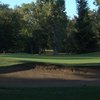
(31, 48)
(54, 44)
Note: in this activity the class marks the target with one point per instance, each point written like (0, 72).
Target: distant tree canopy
(9, 27)
(97, 14)
(35, 27)
(85, 35)
(98, 2)
(45, 23)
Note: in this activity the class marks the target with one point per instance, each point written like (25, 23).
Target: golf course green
(90, 59)
(47, 93)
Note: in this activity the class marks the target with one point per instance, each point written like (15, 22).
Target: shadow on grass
(90, 72)
(17, 67)
(46, 82)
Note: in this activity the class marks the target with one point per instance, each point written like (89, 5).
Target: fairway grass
(91, 59)
(9, 62)
(68, 93)
(50, 93)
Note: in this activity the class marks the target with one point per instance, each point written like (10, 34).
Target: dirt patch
(49, 76)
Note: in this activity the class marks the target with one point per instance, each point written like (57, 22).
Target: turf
(68, 93)
(91, 59)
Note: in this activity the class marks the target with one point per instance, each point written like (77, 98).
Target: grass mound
(91, 59)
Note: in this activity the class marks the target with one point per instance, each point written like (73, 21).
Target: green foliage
(9, 27)
(97, 25)
(34, 18)
(85, 35)
(98, 2)
(70, 42)
(53, 21)
(36, 27)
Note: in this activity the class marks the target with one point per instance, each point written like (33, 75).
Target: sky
(70, 5)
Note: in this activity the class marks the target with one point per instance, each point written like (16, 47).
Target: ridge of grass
(90, 59)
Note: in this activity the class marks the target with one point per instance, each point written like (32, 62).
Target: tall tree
(85, 35)
(71, 45)
(9, 27)
(97, 21)
(26, 10)
(56, 21)
(98, 2)
(34, 17)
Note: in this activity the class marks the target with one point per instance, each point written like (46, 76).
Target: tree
(9, 27)
(26, 11)
(97, 14)
(34, 19)
(85, 35)
(70, 41)
(97, 2)
(55, 22)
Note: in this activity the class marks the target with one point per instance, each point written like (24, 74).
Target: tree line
(45, 25)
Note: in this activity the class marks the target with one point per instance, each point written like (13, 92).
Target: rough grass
(8, 62)
(91, 59)
(68, 93)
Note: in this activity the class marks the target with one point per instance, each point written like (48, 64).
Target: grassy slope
(81, 60)
(83, 93)
(68, 93)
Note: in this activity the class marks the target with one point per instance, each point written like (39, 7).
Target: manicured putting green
(91, 59)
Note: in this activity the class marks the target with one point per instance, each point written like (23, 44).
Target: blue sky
(70, 5)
